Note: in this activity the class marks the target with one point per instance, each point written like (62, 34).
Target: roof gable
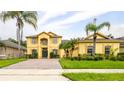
(51, 34)
(43, 33)
(99, 36)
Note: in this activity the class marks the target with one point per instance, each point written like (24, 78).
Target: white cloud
(50, 14)
(115, 30)
(61, 27)
(8, 30)
(79, 16)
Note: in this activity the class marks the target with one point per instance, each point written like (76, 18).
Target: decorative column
(39, 49)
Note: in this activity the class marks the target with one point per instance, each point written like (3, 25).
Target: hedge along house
(104, 45)
(43, 43)
(9, 49)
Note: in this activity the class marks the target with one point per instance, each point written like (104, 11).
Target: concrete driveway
(36, 64)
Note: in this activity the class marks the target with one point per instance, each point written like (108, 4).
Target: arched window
(44, 41)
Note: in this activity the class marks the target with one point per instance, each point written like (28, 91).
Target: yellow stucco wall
(121, 50)
(39, 46)
(75, 53)
(61, 53)
(100, 47)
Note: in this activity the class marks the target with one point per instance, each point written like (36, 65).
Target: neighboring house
(43, 43)
(9, 49)
(121, 44)
(104, 45)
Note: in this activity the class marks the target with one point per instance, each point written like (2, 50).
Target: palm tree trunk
(65, 52)
(72, 52)
(5, 50)
(21, 35)
(18, 39)
(94, 43)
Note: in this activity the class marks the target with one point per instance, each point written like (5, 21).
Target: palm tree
(66, 45)
(21, 17)
(94, 28)
(72, 45)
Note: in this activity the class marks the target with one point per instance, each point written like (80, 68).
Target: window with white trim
(90, 50)
(55, 40)
(107, 50)
(34, 41)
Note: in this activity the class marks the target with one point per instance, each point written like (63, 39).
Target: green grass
(7, 62)
(83, 64)
(95, 76)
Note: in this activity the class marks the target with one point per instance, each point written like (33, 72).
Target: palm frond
(30, 18)
(105, 24)
(31, 21)
(5, 16)
(31, 14)
(90, 27)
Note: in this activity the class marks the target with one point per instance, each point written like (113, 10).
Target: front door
(44, 53)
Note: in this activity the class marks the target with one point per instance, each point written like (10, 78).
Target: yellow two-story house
(44, 43)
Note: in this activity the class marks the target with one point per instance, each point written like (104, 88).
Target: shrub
(35, 55)
(79, 57)
(112, 57)
(99, 57)
(52, 55)
(106, 56)
(120, 56)
(29, 56)
(87, 57)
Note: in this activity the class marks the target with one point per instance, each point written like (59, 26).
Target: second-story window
(44, 41)
(55, 40)
(34, 41)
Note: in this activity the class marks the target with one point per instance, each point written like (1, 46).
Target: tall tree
(95, 28)
(65, 46)
(21, 17)
(72, 45)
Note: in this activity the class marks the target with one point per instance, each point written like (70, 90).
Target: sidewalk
(31, 75)
(45, 74)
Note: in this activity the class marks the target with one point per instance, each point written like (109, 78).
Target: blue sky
(69, 24)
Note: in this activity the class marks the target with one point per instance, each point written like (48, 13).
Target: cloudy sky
(69, 24)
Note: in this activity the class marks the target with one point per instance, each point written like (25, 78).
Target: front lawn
(7, 62)
(84, 64)
(95, 76)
